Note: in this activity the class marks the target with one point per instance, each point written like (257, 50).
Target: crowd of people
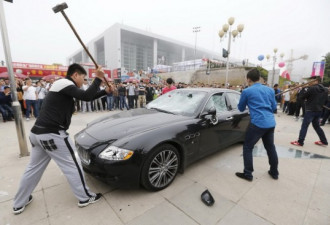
(293, 102)
(134, 95)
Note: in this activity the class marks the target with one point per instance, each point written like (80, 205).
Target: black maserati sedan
(149, 146)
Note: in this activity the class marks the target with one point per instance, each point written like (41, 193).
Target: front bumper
(117, 173)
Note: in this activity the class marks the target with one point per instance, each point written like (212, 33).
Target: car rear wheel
(160, 168)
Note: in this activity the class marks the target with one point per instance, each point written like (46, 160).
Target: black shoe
(275, 177)
(91, 200)
(242, 175)
(21, 209)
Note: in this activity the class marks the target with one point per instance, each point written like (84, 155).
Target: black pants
(300, 105)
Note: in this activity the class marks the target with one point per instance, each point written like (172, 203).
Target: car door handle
(229, 118)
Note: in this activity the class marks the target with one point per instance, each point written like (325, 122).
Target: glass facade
(136, 51)
(100, 52)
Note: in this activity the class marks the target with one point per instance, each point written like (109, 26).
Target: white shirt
(30, 93)
(41, 91)
(287, 95)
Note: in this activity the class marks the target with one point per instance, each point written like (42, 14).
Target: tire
(160, 168)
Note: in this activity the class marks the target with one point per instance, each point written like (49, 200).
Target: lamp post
(195, 30)
(227, 28)
(274, 62)
(16, 105)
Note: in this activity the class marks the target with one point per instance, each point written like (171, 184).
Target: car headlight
(115, 153)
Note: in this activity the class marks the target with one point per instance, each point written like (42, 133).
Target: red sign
(37, 70)
(91, 73)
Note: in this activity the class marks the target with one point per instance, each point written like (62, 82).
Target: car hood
(129, 122)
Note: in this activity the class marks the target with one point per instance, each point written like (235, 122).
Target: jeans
(7, 112)
(311, 117)
(123, 103)
(253, 134)
(110, 102)
(286, 107)
(34, 105)
(40, 104)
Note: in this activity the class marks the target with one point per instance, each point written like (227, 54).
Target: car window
(217, 101)
(234, 100)
(180, 101)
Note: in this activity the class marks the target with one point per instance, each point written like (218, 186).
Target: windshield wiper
(162, 110)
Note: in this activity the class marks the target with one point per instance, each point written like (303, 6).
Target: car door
(240, 120)
(214, 136)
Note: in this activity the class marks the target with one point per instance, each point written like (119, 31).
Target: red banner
(37, 70)
(91, 73)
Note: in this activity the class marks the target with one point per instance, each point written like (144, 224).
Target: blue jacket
(261, 102)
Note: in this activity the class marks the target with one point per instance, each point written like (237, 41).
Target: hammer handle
(82, 43)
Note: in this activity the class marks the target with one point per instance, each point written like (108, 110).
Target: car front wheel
(160, 168)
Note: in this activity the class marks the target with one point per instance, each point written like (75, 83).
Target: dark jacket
(316, 96)
(58, 105)
(5, 99)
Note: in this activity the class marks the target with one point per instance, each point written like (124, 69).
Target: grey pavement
(301, 195)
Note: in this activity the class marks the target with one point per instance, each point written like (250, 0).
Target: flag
(224, 53)
(318, 69)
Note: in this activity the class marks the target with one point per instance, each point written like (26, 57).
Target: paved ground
(301, 196)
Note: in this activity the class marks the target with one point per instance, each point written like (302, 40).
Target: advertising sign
(318, 69)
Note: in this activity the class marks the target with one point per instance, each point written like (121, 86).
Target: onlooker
(292, 102)
(30, 96)
(300, 103)
(19, 91)
(260, 100)
(2, 85)
(122, 96)
(98, 102)
(131, 94)
(276, 91)
(85, 106)
(41, 91)
(149, 93)
(170, 86)
(286, 96)
(136, 96)
(110, 97)
(326, 109)
(316, 96)
(5, 105)
(142, 95)
(115, 97)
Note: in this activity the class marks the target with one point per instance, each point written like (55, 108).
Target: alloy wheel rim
(163, 168)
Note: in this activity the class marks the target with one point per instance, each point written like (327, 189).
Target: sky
(38, 35)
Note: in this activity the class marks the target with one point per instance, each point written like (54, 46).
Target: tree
(326, 78)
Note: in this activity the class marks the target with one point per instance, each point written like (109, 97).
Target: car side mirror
(211, 115)
(212, 111)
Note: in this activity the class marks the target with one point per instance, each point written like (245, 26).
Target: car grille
(84, 155)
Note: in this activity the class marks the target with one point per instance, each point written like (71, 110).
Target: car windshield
(181, 102)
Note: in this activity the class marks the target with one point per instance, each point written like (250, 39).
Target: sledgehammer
(60, 8)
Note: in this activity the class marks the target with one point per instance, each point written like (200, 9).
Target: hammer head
(60, 7)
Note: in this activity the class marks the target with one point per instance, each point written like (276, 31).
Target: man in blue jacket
(261, 102)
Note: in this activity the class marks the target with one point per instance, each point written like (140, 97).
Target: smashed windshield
(181, 102)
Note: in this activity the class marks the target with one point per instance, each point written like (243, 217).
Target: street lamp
(15, 105)
(227, 28)
(196, 30)
(274, 62)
